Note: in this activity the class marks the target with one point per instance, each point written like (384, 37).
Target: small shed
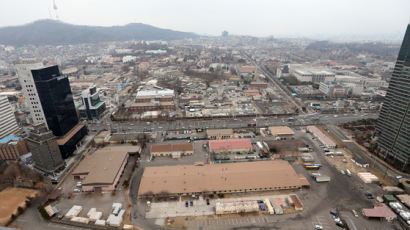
(380, 211)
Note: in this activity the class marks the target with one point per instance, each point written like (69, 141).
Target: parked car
(369, 196)
(318, 227)
(207, 202)
(77, 190)
(340, 224)
(186, 204)
(355, 213)
(334, 213)
(191, 202)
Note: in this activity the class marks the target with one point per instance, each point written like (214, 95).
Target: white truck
(320, 179)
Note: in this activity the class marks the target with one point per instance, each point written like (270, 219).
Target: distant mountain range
(52, 32)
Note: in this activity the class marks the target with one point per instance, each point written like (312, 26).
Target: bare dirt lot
(10, 199)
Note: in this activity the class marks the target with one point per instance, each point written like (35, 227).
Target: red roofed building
(230, 145)
(247, 69)
(380, 211)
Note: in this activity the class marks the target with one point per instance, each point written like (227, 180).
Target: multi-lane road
(269, 76)
(301, 120)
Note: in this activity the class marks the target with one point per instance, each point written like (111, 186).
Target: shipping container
(303, 149)
(269, 206)
(277, 208)
(322, 179)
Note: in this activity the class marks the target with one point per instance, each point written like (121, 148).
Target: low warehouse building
(102, 169)
(282, 132)
(380, 211)
(174, 150)
(217, 134)
(230, 145)
(180, 180)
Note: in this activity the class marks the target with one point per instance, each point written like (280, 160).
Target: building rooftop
(103, 134)
(247, 69)
(404, 198)
(69, 135)
(172, 148)
(102, 166)
(281, 130)
(155, 93)
(142, 104)
(228, 144)
(215, 132)
(9, 138)
(380, 211)
(218, 177)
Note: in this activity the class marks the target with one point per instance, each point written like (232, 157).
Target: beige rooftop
(281, 130)
(273, 175)
(103, 165)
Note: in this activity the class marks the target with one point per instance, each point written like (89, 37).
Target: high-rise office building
(8, 124)
(51, 102)
(56, 99)
(92, 107)
(43, 145)
(30, 91)
(393, 126)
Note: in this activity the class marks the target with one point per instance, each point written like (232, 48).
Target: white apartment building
(129, 58)
(8, 124)
(29, 89)
(311, 74)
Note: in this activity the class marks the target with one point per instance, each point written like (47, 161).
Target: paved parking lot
(177, 208)
(231, 222)
(101, 201)
(326, 221)
(199, 208)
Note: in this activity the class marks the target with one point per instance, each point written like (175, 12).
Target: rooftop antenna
(55, 8)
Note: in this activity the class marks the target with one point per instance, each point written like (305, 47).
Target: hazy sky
(251, 17)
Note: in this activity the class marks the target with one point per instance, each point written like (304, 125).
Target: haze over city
(341, 19)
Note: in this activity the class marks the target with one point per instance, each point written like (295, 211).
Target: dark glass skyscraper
(393, 126)
(56, 99)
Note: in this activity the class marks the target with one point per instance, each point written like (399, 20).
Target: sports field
(10, 199)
